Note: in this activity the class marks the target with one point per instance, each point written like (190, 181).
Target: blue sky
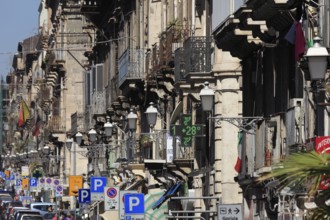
(18, 20)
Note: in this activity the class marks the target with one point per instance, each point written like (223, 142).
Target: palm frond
(301, 168)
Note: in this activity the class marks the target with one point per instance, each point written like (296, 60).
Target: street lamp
(131, 118)
(317, 64)
(108, 128)
(317, 60)
(92, 135)
(46, 150)
(207, 97)
(78, 138)
(151, 115)
(69, 142)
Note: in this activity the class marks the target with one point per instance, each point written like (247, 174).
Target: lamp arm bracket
(243, 123)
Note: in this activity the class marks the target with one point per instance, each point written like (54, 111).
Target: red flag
(24, 113)
(238, 165)
(37, 127)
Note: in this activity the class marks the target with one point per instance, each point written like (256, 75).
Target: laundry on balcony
(168, 194)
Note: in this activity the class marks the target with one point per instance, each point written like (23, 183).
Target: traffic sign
(33, 182)
(18, 184)
(84, 196)
(111, 198)
(134, 204)
(121, 202)
(56, 182)
(58, 191)
(41, 183)
(49, 183)
(97, 188)
(230, 211)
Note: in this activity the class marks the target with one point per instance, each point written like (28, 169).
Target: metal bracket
(243, 123)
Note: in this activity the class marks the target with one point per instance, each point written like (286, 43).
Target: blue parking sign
(33, 182)
(18, 182)
(84, 196)
(98, 184)
(134, 203)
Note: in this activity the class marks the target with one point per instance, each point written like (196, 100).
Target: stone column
(228, 103)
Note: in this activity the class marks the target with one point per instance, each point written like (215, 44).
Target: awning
(168, 194)
(149, 200)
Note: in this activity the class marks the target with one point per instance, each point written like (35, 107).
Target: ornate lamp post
(152, 113)
(317, 56)
(317, 64)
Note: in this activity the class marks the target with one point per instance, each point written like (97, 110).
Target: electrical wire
(64, 49)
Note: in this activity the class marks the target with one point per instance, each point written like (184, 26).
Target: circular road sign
(42, 180)
(59, 188)
(112, 192)
(49, 180)
(56, 182)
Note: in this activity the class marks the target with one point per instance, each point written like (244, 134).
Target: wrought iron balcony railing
(98, 102)
(56, 124)
(197, 54)
(131, 65)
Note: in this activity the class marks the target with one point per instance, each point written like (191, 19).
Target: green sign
(186, 130)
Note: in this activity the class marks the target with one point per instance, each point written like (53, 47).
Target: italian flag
(238, 165)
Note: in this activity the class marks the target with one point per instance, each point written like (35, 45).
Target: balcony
(153, 145)
(44, 98)
(98, 102)
(179, 69)
(56, 124)
(131, 67)
(168, 42)
(197, 55)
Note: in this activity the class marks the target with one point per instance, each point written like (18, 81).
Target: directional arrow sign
(230, 211)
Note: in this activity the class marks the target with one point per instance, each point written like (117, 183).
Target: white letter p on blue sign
(98, 183)
(133, 202)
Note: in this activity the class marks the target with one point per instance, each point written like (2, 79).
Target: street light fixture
(317, 60)
(108, 128)
(317, 64)
(92, 135)
(78, 138)
(69, 142)
(46, 150)
(207, 97)
(151, 113)
(131, 118)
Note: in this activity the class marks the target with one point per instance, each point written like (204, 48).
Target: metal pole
(98, 211)
(56, 212)
(74, 158)
(75, 205)
(74, 173)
